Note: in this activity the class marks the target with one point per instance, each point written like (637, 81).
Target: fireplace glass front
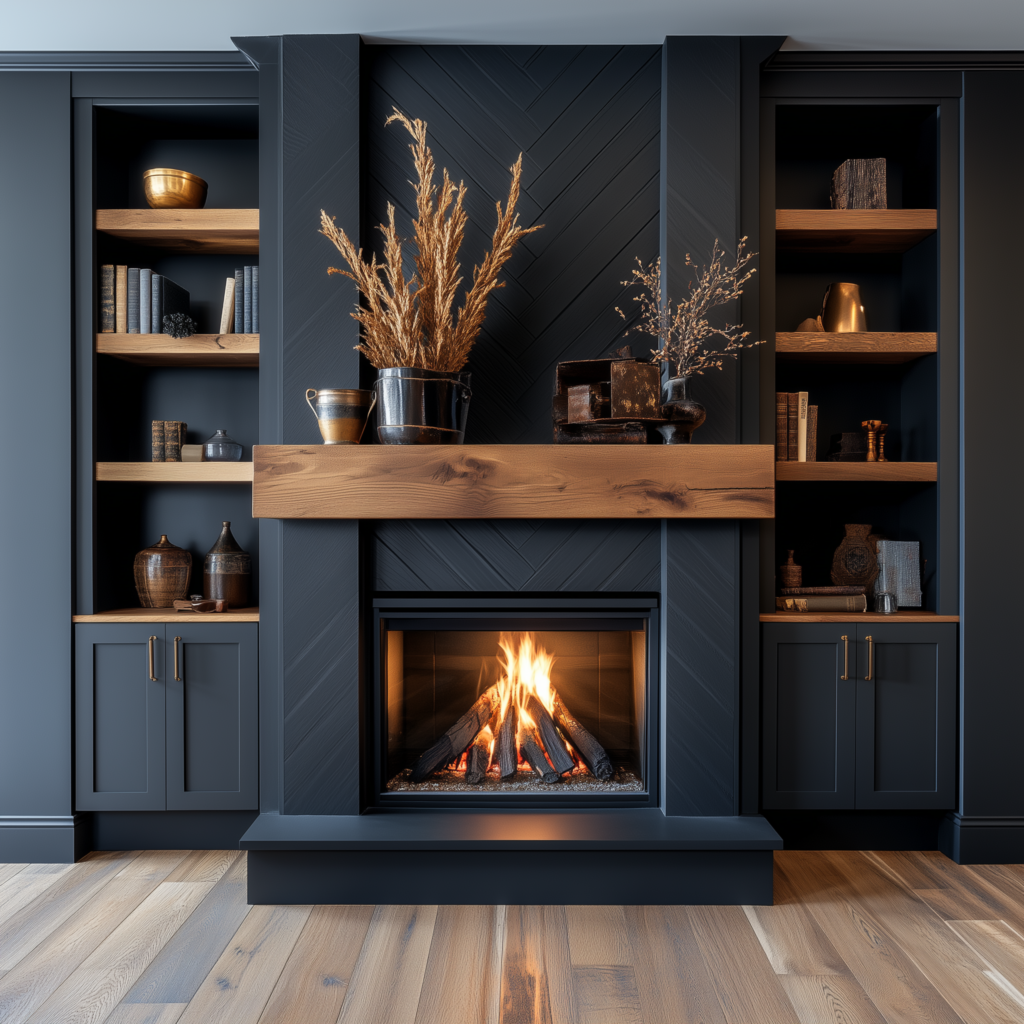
(497, 707)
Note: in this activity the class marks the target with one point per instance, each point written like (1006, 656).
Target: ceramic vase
(684, 415)
(162, 574)
(855, 562)
(227, 570)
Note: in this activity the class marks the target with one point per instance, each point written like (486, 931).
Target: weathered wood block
(560, 408)
(595, 433)
(588, 402)
(635, 390)
(859, 185)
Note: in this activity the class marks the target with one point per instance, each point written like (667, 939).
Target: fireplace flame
(527, 670)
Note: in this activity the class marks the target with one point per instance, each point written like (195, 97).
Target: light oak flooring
(857, 938)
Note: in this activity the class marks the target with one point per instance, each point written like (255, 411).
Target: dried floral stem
(684, 334)
(410, 322)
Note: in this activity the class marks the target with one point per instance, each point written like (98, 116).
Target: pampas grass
(410, 322)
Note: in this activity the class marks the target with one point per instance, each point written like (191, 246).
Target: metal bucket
(421, 406)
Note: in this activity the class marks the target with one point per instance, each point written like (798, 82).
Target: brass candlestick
(881, 442)
(872, 426)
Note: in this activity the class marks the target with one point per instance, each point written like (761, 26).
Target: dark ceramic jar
(221, 448)
(162, 574)
(684, 415)
(227, 570)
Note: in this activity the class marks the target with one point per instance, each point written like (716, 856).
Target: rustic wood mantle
(513, 482)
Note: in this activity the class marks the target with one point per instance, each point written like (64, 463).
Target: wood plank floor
(854, 938)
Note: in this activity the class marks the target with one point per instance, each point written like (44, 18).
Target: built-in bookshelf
(198, 350)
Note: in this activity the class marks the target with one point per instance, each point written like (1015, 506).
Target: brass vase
(162, 574)
(341, 413)
(842, 310)
(227, 570)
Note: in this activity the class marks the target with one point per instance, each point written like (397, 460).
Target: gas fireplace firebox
(508, 701)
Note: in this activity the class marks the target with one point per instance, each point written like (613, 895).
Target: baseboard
(857, 830)
(169, 830)
(975, 840)
(43, 839)
(538, 877)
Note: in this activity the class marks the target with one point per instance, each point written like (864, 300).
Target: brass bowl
(168, 189)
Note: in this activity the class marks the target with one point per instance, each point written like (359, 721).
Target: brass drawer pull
(177, 677)
(871, 658)
(152, 665)
(846, 658)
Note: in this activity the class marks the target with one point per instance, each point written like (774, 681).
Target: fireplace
(529, 701)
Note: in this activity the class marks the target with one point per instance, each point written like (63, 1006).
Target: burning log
(593, 755)
(478, 760)
(451, 745)
(508, 758)
(529, 743)
(561, 761)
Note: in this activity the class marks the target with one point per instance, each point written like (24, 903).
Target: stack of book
(134, 300)
(822, 599)
(796, 428)
(168, 437)
(241, 310)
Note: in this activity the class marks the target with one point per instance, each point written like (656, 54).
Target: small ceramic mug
(341, 412)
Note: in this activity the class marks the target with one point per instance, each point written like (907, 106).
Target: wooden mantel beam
(513, 481)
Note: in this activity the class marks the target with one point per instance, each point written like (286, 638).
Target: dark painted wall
(36, 466)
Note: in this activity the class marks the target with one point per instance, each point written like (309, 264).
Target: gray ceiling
(809, 24)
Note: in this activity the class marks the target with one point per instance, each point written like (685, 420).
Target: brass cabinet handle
(152, 666)
(846, 658)
(177, 677)
(871, 658)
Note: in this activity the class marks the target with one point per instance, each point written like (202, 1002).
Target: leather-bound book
(145, 299)
(172, 440)
(793, 405)
(812, 433)
(158, 440)
(822, 604)
(156, 312)
(134, 320)
(255, 300)
(108, 314)
(781, 426)
(239, 296)
(121, 299)
(247, 300)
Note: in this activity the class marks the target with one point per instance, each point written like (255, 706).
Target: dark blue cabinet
(883, 737)
(166, 716)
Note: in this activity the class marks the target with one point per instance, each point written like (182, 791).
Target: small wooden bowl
(168, 189)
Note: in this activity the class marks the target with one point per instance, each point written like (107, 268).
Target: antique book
(134, 320)
(822, 604)
(791, 434)
(121, 299)
(158, 440)
(108, 314)
(859, 185)
(801, 426)
(145, 299)
(822, 591)
(239, 299)
(247, 300)
(812, 433)
(156, 307)
(255, 300)
(781, 426)
(174, 434)
(227, 312)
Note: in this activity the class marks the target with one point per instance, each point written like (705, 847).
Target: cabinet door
(119, 717)
(212, 717)
(906, 716)
(809, 715)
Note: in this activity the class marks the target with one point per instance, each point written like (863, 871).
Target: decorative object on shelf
(881, 442)
(162, 574)
(197, 603)
(849, 446)
(409, 332)
(885, 603)
(191, 453)
(871, 428)
(791, 574)
(842, 310)
(859, 185)
(174, 436)
(221, 448)
(158, 445)
(899, 565)
(811, 448)
(246, 294)
(684, 333)
(855, 562)
(342, 413)
(822, 591)
(179, 325)
(606, 401)
(169, 189)
(227, 570)
(812, 325)
(796, 427)
(822, 604)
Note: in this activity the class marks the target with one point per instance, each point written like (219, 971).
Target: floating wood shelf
(865, 472)
(227, 231)
(853, 347)
(852, 230)
(170, 615)
(913, 615)
(176, 472)
(199, 350)
(513, 481)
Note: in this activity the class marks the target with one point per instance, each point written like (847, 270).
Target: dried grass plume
(411, 322)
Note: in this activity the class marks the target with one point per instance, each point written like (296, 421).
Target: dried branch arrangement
(685, 333)
(409, 322)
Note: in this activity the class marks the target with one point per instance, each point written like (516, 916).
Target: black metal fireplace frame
(514, 612)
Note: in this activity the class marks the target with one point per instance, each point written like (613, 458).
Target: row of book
(134, 300)
(168, 438)
(240, 313)
(796, 428)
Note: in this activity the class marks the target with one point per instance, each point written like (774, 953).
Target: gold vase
(842, 311)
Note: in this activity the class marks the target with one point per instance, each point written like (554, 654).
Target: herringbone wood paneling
(587, 121)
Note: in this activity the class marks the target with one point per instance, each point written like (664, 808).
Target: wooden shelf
(227, 231)
(490, 481)
(914, 615)
(852, 230)
(853, 347)
(176, 472)
(170, 615)
(199, 350)
(865, 472)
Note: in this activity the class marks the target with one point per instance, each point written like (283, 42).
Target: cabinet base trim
(43, 838)
(978, 840)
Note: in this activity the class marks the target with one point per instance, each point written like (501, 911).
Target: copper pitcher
(842, 310)
(341, 412)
